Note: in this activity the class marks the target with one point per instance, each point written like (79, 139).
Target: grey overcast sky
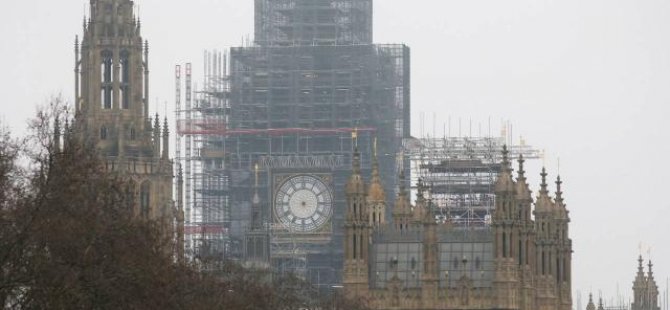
(587, 80)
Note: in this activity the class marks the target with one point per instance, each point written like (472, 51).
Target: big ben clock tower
(112, 91)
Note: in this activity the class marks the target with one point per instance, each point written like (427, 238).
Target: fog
(586, 80)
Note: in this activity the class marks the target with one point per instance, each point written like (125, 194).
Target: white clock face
(303, 204)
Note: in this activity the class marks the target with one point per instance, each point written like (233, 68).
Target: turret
(652, 288)
(523, 193)
(543, 227)
(376, 199)
(640, 292)
(430, 274)
(357, 232)
(591, 305)
(420, 207)
(563, 250)
(402, 210)
(507, 230)
(505, 210)
(526, 232)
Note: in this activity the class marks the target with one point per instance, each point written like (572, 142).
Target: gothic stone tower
(357, 234)
(111, 91)
(645, 290)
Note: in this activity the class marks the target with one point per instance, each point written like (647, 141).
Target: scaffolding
(207, 211)
(460, 173)
(291, 104)
(313, 22)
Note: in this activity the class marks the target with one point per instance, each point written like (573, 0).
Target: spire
(522, 189)
(543, 186)
(590, 305)
(543, 202)
(356, 163)
(402, 211)
(166, 139)
(640, 279)
(559, 193)
(521, 172)
(255, 203)
(157, 138)
(504, 183)
(375, 161)
(355, 185)
(376, 190)
(505, 160)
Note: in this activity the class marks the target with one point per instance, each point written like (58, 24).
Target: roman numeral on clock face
(303, 203)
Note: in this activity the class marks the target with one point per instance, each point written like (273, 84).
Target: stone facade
(415, 262)
(112, 91)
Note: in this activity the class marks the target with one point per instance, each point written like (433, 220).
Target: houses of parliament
(411, 260)
(414, 262)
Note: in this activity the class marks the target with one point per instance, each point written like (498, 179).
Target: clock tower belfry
(111, 108)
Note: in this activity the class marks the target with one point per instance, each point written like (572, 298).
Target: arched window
(103, 133)
(130, 196)
(106, 79)
(133, 133)
(125, 79)
(145, 199)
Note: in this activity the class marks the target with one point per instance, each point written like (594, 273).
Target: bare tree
(69, 240)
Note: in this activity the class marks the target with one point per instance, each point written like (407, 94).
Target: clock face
(303, 204)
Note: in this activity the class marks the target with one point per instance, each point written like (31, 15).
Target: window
(103, 133)
(133, 134)
(106, 79)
